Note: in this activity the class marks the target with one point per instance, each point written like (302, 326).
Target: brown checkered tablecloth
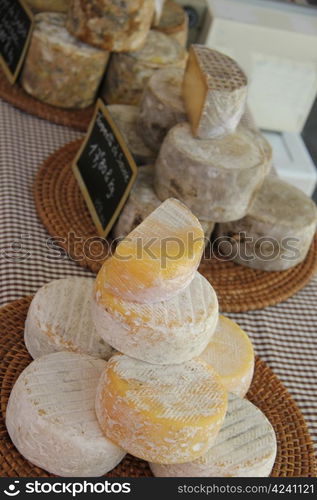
(284, 335)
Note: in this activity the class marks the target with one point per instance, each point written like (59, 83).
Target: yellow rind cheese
(230, 353)
(158, 259)
(165, 414)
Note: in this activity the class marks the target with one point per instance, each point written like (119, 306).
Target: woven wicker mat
(14, 94)
(295, 456)
(63, 211)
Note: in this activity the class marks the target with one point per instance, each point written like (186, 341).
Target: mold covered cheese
(277, 231)
(59, 70)
(51, 417)
(113, 25)
(214, 91)
(59, 319)
(167, 332)
(245, 447)
(167, 414)
(161, 106)
(174, 22)
(216, 178)
(128, 73)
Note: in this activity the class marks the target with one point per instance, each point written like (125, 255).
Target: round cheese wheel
(59, 70)
(51, 416)
(59, 319)
(128, 73)
(161, 106)
(277, 231)
(174, 22)
(114, 25)
(216, 178)
(231, 354)
(160, 413)
(244, 447)
(167, 332)
(158, 259)
(126, 119)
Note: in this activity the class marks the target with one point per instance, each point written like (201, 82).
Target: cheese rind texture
(114, 25)
(128, 73)
(158, 259)
(231, 354)
(51, 416)
(126, 118)
(59, 70)
(174, 22)
(216, 178)
(142, 201)
(161, 106)
(277, 232)
(59, 319)
(160, 413)
(214, 91)
(245, 447)
(168, 332)
(48, 5)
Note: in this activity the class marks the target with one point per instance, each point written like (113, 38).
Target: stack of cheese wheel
(164, 396)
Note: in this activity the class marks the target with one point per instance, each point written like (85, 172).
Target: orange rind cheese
(158, 259)
(164, 414)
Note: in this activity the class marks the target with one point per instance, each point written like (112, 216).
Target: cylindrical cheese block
(231, 354)
(128, 73)
(114, 25)
(59, 70)
(48, 5)
(51, 417)
(158, 259)
(216, 178)
(167, 332)
(126, 118)
(245, 447)
(59, 319)
(141, 202)
(163, 414)
(161, 106)
(277, 231)
(174, 22)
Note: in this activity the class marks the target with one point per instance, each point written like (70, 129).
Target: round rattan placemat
(64, 213)
(295, 456)
(78, 119)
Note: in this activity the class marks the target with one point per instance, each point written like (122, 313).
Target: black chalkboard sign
(16, 23)
(105, 170)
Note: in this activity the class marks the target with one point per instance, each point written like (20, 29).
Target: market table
(285, 335)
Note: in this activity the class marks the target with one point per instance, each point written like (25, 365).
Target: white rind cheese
(128, 73)
(59, 319)
(161, 106)
(51, 416)
(165, 332)
(245, 447)
(114, 25)
(231, 354)
(160, 413)
(216, 178)
(59, 70)
(214, 91)
(277, 231)
(126, 118)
